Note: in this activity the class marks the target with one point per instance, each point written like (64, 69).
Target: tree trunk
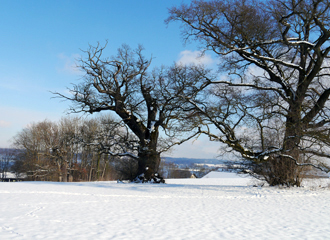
(289, 171)
(65, 172)
(148, 163)
(98, 166)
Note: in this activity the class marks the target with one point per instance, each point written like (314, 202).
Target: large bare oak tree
(276, 55)
(146, 101)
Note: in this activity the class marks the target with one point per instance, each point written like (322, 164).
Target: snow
(215, 174)
(8, 175)
(218, 206)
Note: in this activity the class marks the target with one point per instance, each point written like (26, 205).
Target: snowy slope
(208, 208)
(215, 174)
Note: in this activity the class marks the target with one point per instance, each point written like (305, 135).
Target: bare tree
(103, 139)
(7, 157)
(145, 101)
(276, 56)
(72, 149)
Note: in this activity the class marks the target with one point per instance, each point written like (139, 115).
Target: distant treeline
(75, 149)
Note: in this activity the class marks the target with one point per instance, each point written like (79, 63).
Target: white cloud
(194, 57)
(4, 124)
(69, 64)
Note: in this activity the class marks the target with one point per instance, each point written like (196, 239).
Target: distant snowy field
(221, 206)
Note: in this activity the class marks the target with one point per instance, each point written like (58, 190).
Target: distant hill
(4, 151)
(187, 161)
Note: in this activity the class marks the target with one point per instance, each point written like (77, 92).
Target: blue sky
(40, 41)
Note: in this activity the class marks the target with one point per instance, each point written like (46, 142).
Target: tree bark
(289, 172)
(149, 157)
(148, 163)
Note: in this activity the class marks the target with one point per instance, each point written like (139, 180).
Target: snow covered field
(215, 207)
